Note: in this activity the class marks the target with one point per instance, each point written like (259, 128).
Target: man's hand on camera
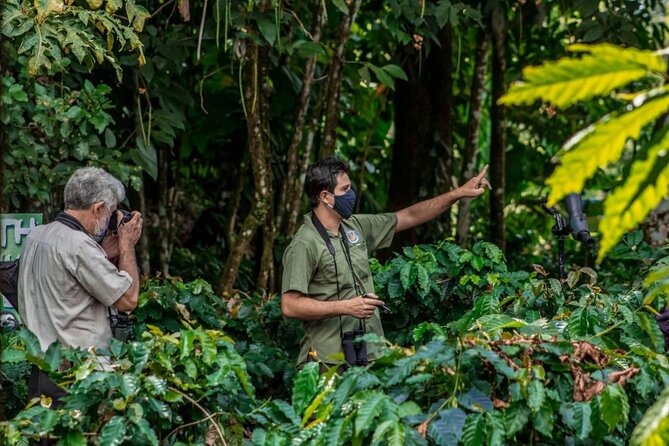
(363, 308)
(129, 233)
(110, 246)
(476, 185)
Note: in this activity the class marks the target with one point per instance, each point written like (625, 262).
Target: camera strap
(70, 222)
(326, 238)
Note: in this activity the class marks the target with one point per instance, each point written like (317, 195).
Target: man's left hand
(476, 185)
(111, 248)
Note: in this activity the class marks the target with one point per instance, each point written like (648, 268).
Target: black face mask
(344, 204)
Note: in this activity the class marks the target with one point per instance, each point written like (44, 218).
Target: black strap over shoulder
(70, 222)
(323, 233)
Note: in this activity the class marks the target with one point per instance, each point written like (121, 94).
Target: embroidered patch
(353, 237)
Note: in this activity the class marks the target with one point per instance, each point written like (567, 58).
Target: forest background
(210, 111)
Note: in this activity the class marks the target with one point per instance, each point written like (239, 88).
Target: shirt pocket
(360, 260)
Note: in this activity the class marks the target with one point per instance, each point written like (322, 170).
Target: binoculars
(355, 350)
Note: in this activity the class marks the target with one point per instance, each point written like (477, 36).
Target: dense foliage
(521, 357)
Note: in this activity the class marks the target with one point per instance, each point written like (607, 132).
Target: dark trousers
(40, 384)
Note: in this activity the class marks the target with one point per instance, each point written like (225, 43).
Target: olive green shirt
(309, 268)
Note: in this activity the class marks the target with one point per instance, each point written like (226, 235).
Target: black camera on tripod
(354, 348)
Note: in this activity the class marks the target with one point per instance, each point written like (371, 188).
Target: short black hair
(322, 175)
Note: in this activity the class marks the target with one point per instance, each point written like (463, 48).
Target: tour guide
(327, 282)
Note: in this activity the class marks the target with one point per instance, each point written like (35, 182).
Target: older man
(66, 282)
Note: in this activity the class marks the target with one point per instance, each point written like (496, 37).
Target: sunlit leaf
(653, 429)
(602, 145)
(644, 188)
(570, 80)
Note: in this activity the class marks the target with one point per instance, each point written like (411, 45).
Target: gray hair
(90, 185)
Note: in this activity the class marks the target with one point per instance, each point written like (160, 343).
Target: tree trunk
(423, 115)
(255, 88)
(498, 137)
(441, 75)
(314, 126)
(473, 129)
(144, 255)
(164, 234)
(266, 271)
(284, 210)
(334, 81)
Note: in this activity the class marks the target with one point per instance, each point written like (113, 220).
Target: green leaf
(544, 421)
(568, 80)
(492, 322)
(113, 433)
(423, 280)
(474, 430)
(395, 71)
(73, 438)
(369, 408)
(186, 343)
(267, 28)
(341, 5)
(208, 347)
(600, 145)
(644, 188)
(408, 275)
(653, 429)
(305, 386)
(536, 395)
(515, 419)
(383, 77)
(652, 329)
(129, 385)
(495, 428)
(614, 405)
(46, 7)
(447, 429)
(582, 414)
(579, 323)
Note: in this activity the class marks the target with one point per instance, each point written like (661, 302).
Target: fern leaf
(601, 146)
(653, 429)
(569, 80)
(646, 185)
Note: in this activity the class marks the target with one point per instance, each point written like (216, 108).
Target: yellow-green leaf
(113, 5)
(653, 429)
(46, 7)
(630, 203)
(601, 146)
(570, 80)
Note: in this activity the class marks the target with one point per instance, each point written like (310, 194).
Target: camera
(355, 350)
(113, 223)
(121, 326)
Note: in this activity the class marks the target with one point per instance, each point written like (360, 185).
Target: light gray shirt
(66, 285)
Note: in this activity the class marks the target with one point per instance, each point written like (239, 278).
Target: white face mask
(101, 228)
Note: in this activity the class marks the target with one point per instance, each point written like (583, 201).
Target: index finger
(483, 172)
(376, 302)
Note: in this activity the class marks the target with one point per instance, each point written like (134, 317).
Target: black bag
(9, 281)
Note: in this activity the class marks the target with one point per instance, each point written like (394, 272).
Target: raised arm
(426, 210)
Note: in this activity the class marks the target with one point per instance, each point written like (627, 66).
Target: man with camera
(68, 288)
(327, 282)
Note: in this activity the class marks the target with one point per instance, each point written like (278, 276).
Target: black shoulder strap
(70, 222)
(324, 235)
